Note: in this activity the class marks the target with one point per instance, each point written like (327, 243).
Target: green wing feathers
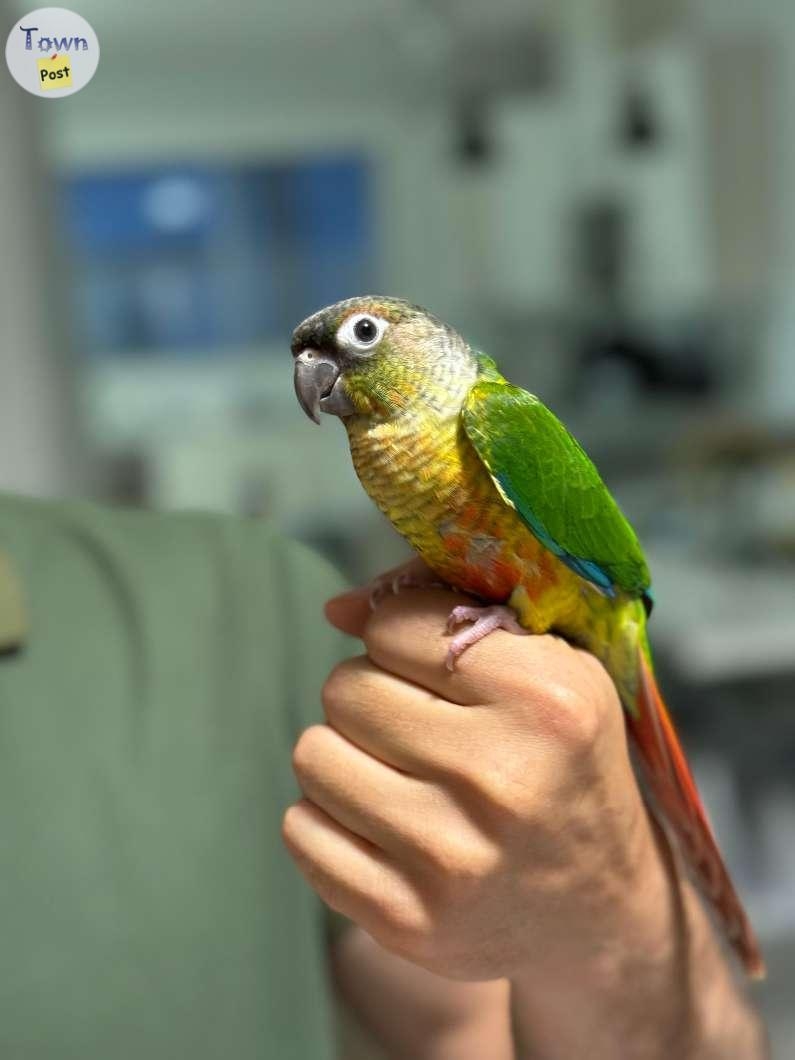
(543, 473)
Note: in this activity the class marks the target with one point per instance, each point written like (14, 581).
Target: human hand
(484, 823)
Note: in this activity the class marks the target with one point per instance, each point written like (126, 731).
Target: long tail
(674, 790)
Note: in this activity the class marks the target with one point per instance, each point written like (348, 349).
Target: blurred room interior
(597, 192)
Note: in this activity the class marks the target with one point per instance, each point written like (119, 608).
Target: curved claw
(396, 583)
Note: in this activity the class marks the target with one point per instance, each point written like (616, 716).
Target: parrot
(502, 503)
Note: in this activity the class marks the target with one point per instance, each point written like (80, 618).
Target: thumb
(350, 611)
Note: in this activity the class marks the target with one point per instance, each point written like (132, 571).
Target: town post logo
(52, 52)
(55, 72)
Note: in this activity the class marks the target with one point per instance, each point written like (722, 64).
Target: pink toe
(484, 621)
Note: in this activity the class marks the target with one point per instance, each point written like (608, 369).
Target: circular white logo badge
(52, 52)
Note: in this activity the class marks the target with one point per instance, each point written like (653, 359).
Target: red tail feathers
(673, 788)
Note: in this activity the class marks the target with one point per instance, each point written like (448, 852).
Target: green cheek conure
(501, 502)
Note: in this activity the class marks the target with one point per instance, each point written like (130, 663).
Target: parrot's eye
(365, 330)
(361, 332)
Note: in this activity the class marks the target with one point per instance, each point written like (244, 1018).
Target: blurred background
(598, 192)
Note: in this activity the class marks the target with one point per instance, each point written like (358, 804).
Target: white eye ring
(347, 337)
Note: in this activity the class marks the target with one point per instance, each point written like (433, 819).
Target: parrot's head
(379, 357)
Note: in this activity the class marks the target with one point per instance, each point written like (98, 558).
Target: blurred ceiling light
(174, 204)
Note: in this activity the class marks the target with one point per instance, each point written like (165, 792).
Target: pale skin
(484, 831)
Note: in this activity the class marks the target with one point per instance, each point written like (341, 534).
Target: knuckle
(575, 719)
(353, 679)
(499, 782)
(291, 822)
(509, 796)
(446, 856)
(459, 861)
(307, 748)
(405, 925)
(501, 792)
(337, 686)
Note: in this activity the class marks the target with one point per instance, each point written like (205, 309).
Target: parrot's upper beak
(319, 387)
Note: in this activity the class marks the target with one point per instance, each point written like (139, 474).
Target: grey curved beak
(318, 386)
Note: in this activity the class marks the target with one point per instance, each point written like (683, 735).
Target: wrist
(659, 986)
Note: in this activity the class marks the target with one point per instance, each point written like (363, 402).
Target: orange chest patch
(491, 561)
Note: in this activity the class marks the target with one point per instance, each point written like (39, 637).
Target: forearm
(416, 1015)
(486, 824)
(653, 994)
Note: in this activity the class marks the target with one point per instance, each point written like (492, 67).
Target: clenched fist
(480, 822)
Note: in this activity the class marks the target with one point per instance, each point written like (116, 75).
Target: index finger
(407, 636)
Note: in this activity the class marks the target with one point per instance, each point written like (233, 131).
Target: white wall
(772, 24)
(38, 444)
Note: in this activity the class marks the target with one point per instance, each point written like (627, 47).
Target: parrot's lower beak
(318, 386)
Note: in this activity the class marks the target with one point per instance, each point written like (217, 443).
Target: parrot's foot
(484, 621)
(415, 577)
